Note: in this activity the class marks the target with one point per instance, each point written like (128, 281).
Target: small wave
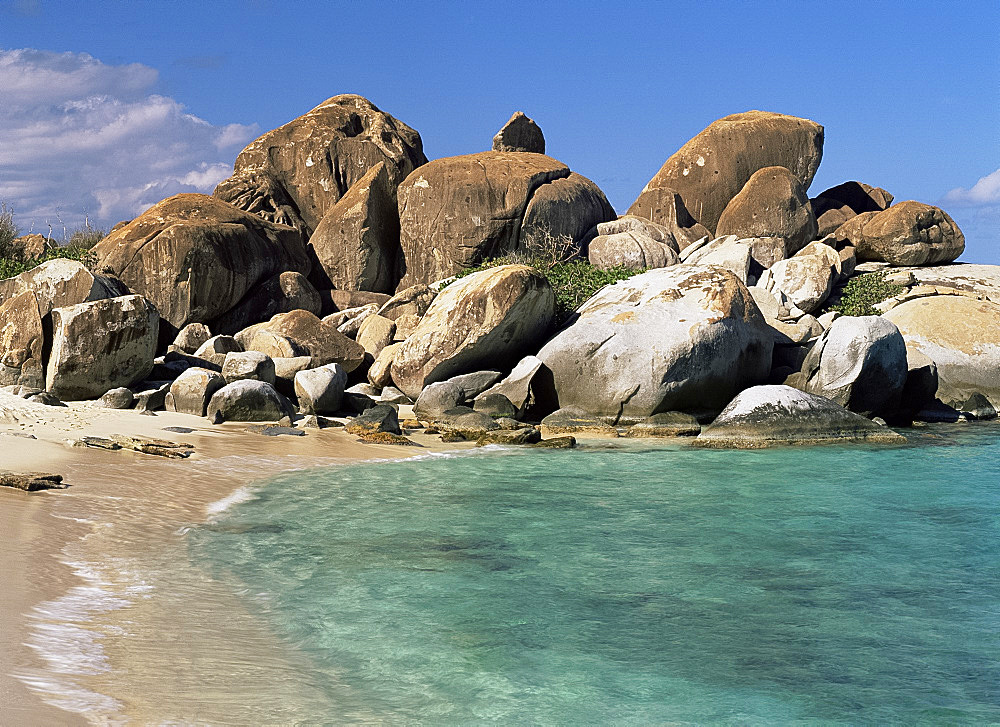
(240, 494)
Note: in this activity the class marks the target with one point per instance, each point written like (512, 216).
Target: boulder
(456, 212)
(151, 395)
(520, 133)
(337, 300)
(437, 398)
(356, 242)
(729, 253)
(380, 372)
(666, 424)
(773, 415)
(314, 338)
(321, 390)
(572, 419)
(908, 233)
(349, 321)
(559, 216)
(920, 390)
(465, 422)
(196, 257)
(381, 418)
(31, 246)
(981, 280)
(59, 283)
(961, 336)
(375, 333)
(247, 400)
(665, 206)
(275, 345)
(683, 338)
(710, 169)
(806, 279)
(634, 243)
(285, 369)
(192, 337)
(773, 203)
(191, 392)
(517, 386)
(496, 406)
(414, 300)
(835, 206)
(296, 173)
(490, 318)
(218, 345)
(359, 397)
(22, 342)
(521, 435)
(101, 345)
(119, 398)
(281, 294)
(392, 395)
(860, 363)
(248, 365)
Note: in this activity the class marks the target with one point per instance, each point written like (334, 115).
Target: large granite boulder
(456, 212)
(774, 415)
(665, 206)
(247, 400)
(21, 342)
(321, 390)
(281, 294)
(835, 206)
(310, 336)
(908, 233)
(191, 338)
(860, 363)
(773, 203)
(520, 133)
(192, 390)
(195, 257)
(101, 345)
(632, 242)
(296, 173)
(357, 241)
(961, 335)
(683, 338)
(61, 282)
(255, 365)
(710, 169)
(489, 319)
(807, 277)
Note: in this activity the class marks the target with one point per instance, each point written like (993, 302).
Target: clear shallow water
(636, 585)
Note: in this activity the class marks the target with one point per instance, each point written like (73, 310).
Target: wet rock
(666, 424)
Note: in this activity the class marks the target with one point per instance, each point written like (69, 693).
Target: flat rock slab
(269, 430)
(31, 481)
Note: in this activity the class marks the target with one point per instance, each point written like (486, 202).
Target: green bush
(8, 232)
(11, 266)
(862, 293)
(75, 246)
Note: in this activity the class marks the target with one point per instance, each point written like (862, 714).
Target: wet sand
(103, 647)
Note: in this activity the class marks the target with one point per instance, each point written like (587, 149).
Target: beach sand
(128, 503)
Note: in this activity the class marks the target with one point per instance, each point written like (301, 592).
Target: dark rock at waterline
(31, 482)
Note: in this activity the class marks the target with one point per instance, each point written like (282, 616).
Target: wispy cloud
(79, 136)
(984, 192)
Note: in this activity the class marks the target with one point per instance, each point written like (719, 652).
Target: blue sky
(107, 107)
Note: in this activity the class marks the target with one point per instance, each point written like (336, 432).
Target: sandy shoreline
(147, 499)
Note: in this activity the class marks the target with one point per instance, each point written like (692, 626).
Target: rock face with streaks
(683, 338)
(296, 173)
(21, 342)
(711, 168)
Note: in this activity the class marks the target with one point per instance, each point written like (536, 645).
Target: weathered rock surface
(458, 211)
(773, 415)
(860, 363)
(312, 337)
(520, 133)
(337, 300)
(835, 206)
(683, 338)
(710, 169)
(666, 424)
(633, 242)
(321, 390)
(357, 241)
(118, 398)
(294, 174)
(437, 398)
(516, 387)
(196, 257)
(806, 279)
(488, 319)
(217, 345)
(59, 283)
(192, 337)
(248, 365)
(665, 206)
(381, 418)
(961, 336)
(562, 212)
(349, 321)
(380, 372)
(773, 203)
(572, 419)
(375, 333)
(908, 233)
(247, 401)
(495, 405)
(281, 294)
(191, 392)
(101, 345)
(414, 300)
(22, 341)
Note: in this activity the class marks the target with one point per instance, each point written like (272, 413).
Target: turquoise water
(634, 586)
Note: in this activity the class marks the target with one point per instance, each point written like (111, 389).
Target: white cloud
(78, 136)
(985, 191)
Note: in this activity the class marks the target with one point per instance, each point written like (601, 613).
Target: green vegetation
(573, 280)
(862, 293)
(76, 246)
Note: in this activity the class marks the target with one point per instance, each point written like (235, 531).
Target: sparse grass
(76, 246)
(862, 293)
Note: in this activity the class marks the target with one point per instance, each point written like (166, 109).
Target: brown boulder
(666, 208)
(195, 257)
(281, 294)
(772, 203)
(21, 340)
(710, 169)
(312, 337)
(61, 282)
(908, 233)
(295, 174)
(30, 247)
(520, 134)
(835, 206)
(356, 242)
(561, 213)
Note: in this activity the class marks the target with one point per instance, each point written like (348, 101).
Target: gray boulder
(495, 405)
(191, 392)
(192, 337)
(516, 387)
(375, 333)
(773, 415)
(248, 365)
(632, 242)
(381, 418)
(247, 400)
(321, 390)
(437, 398)
(684, 338)
(120, 398)
(59, 283)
